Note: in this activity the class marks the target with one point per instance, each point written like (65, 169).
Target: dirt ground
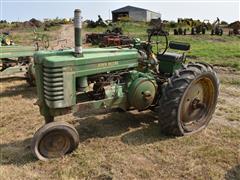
(121, 145)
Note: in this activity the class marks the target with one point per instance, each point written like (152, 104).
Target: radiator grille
(53, 83)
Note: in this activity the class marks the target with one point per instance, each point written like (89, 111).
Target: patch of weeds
(227, 132)
(226, 109)
(232, 112)
(233, 117)
(144, 173)
(189, 140)
(216, 154)
(232, 81)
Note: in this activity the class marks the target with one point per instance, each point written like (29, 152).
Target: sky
(22, 10)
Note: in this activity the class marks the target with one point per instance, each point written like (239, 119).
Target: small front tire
(54, 140)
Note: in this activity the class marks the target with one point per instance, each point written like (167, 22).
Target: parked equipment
(216, 29)
(99, 22)
(199, 27)
(111, 37)
(157, 28)
(115, 40)
(182, 26)
(234, 28)
(99, 80)
(5, 39)
(196, 26)
(16, 59)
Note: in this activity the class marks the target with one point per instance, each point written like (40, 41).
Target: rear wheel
(188, 99)
(54, 140)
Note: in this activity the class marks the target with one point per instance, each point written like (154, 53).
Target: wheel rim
(54, 144)
(197, 104)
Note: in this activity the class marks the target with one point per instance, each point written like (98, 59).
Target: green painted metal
(60, 75)
(15, 51)
(169, 66)
(92, 56)
(13, 70)
(64, 78)
(57, 72)
(142, 92)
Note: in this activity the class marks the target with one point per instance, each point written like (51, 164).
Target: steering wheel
(157, 34)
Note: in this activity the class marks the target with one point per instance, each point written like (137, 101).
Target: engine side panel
(57, 72)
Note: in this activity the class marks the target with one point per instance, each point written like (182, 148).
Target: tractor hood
(96, 57)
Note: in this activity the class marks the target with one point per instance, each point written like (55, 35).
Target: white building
(134, 14)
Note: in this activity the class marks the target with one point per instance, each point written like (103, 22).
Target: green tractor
(15, 59)
(139, 77)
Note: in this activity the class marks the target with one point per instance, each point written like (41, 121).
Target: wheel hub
(54, 144)
(196, 104)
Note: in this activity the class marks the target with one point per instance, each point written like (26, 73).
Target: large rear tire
(188, 99)
(54, 140)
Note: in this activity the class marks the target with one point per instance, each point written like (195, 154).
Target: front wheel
(54, 140)
(188, 99)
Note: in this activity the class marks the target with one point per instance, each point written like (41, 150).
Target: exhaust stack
(78, 33)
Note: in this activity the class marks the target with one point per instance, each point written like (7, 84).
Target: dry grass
(119, 145)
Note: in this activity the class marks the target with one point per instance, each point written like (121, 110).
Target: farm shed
(134, 14)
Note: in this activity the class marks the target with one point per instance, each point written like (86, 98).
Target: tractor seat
(170, 61)
(174, 57)
(171, 57)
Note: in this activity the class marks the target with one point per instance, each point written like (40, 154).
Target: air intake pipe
(81, 81)
(78, 33)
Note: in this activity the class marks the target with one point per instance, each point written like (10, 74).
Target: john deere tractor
(139, 77)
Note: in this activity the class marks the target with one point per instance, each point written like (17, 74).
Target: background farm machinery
(234, 28)
(195, 26)
(182, 25)
(98, 80)
(115, 37)
(111, 37)
(216, 28)
(199, 27)
(157, 28)
(17, 59)
(5, 40)
(100, 22)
